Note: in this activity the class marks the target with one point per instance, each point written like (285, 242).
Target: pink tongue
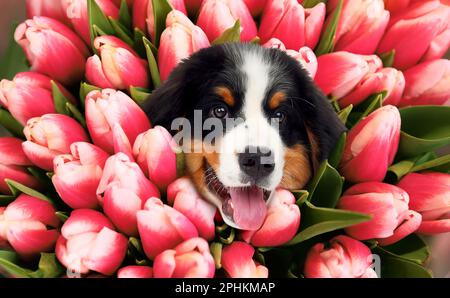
(249, 207)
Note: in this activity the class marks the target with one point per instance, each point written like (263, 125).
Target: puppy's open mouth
(242, 207)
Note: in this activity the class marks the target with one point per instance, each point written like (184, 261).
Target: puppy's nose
(256, 162)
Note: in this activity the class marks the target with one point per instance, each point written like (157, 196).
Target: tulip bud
(161, 227)
(107, 108)
(135, 272)
(13, 164)
(185, 198)
(190, 259)
(144, 18)
(281, 223)
(389, 80)
(361, 25)
(387, 204)
(237, 261)
(371, 146)
(396, 6)
(78, 174)
(49, 136)
(216, 16)
(52, 49)
(88, 242)
(156, 153)
(255, 6)
(77, 13)
(427, 84)
(429, 194)
(29, 225)
(47, 8)
(348, 70)
(29, 95)
(420, 33)
(281, 18)
(116, 66)
(123, 191)
(179, 40)
(345, 258)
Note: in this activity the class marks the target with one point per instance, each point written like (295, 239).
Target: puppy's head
(250, 120)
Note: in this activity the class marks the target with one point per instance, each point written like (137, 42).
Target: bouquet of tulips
(89, 188)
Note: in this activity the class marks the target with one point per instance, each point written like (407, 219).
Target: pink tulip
(29, 95)
(123, 191)
(47, 8)
(281, 223)
(283, 17)
(77, 13)
(88, 242)
(119, 2)
(78, 174)
(143, 16)
(255, 6)
(427, 83)
(135, 272)
(161, 227)
(116, 66)
(388, 205)
(237, 261)
(156, 153)
(361, 25)
(371, 146)
(216, 16)
(390, 80)
(13, 164)
(179, 40)
(52, 49)
(190, 259)
(396, 6)
(107, 108)
(305, 55)
(49, 136)
(185, 198)
(344, 258)
(348, 70)
(420, 33)
(429, 194)
(29, 225)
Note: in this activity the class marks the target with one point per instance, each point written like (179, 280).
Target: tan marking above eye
(276, 100)
(226, 95)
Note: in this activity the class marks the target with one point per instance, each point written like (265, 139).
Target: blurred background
(13, 12)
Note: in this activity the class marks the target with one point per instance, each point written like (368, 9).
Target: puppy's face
(254, 121)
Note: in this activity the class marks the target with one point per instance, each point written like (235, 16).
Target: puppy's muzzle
(256, 163)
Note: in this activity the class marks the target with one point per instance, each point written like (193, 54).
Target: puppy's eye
(219, 112)
(279, 116)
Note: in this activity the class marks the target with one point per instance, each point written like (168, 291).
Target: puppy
(249, 119)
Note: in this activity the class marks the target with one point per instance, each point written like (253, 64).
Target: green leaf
(336, 155)
(255, 40)
(17, 188)
(11, 124)
(75, 113)
(344, 113)
(374, 102)
(427, 161)
(326, 187)
(59, 99)
(216, 252)
(393, 266)
(326, 43)
(124, 14)
(388, 58)
(9, 268)
(411, 247)
(139, 42)
(161, 9)
(85, 88)
(139, 95)
(62, 215)
(98, 21)
(312, 3)
(232, 34)
(121, 31)
(136, 246)
(180, 163)
(14, 59)
(300, 196)
(441, 164)
(152, 64)
(317, 221)
(5, 200)
(424, 129)
(49, 267)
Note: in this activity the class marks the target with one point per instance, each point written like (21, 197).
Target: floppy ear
(167, 102)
